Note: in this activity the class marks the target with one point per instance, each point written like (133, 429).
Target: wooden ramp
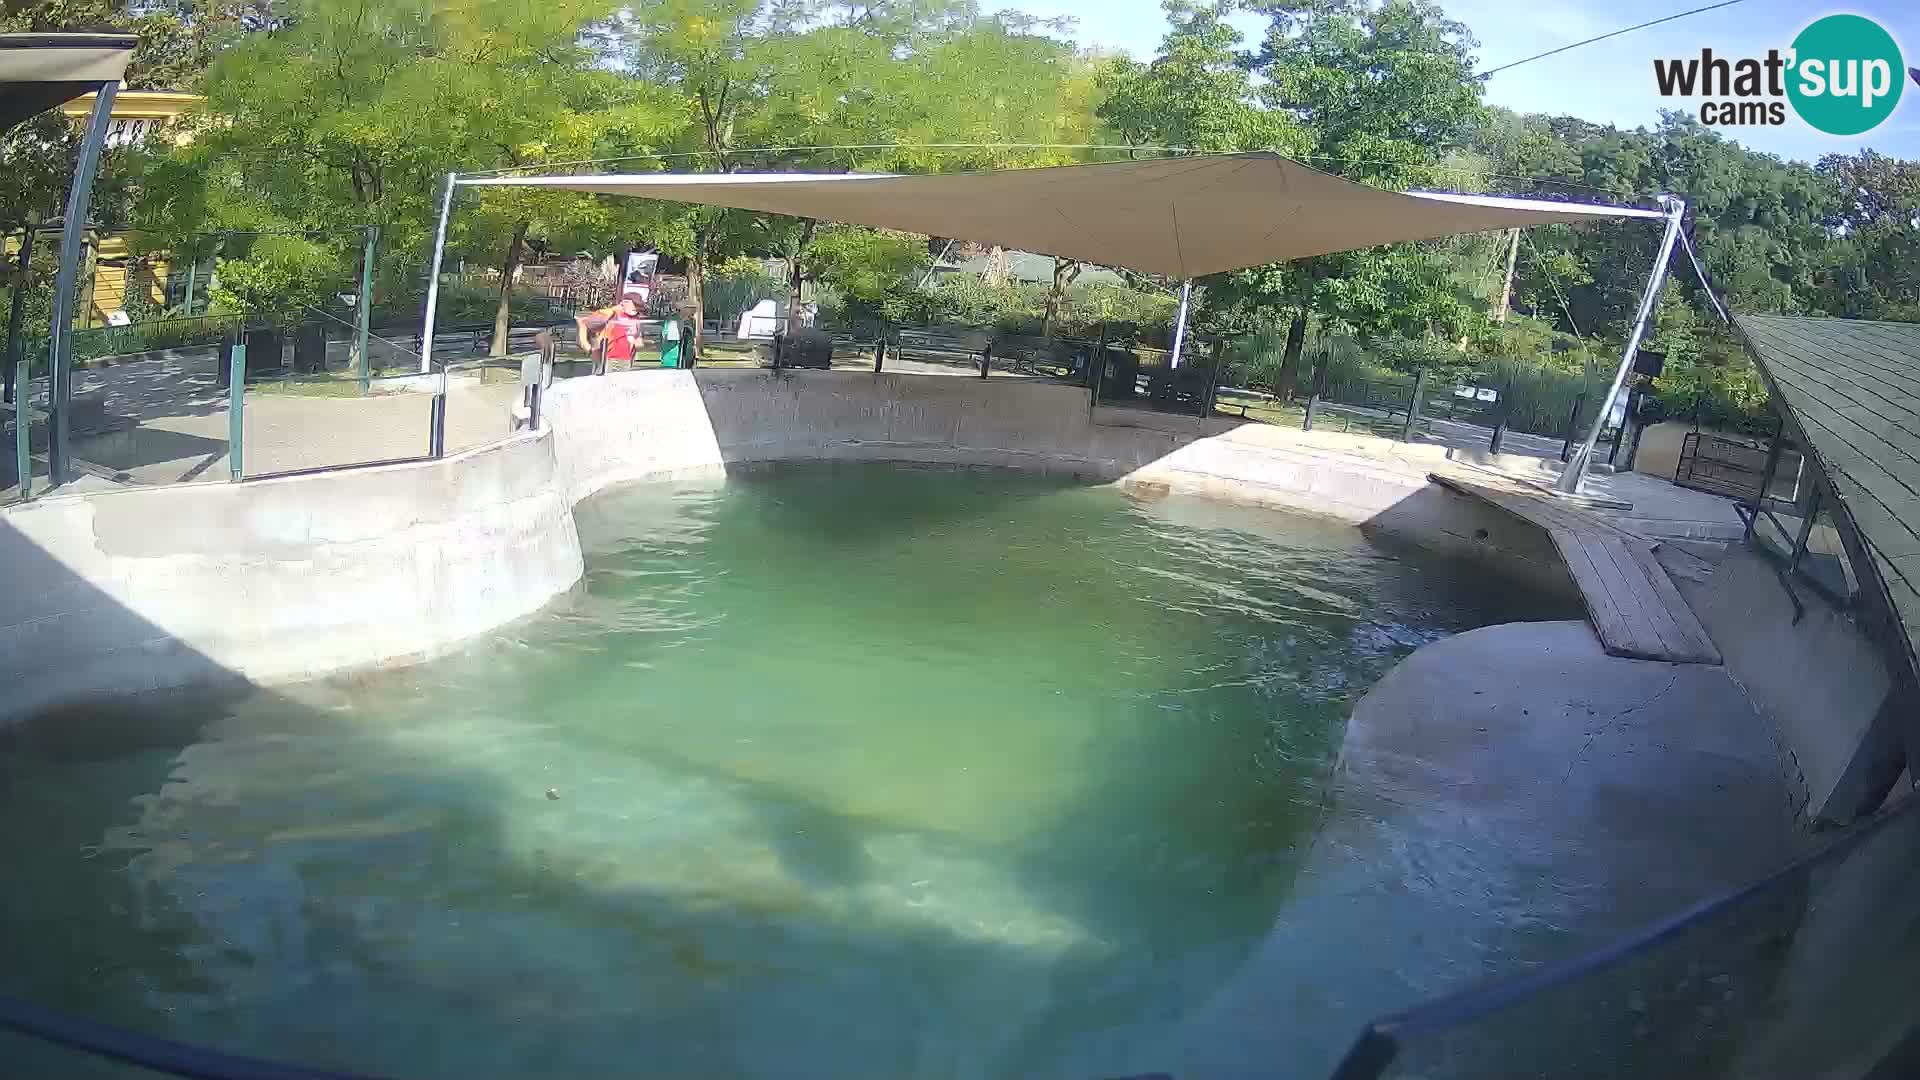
(1630, 599)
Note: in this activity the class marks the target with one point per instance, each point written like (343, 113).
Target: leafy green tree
(875, 270)
(1378, 90)
(353, 111)
(839, 86)
(1196, 94)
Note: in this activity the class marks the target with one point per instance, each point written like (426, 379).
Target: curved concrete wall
(633, 425)
(277, 580)
(295, 577)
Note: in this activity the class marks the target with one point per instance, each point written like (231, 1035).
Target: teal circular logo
(1847, 74)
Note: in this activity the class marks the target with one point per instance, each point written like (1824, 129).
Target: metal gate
(1726, 467)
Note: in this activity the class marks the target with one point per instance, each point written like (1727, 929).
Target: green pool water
(823, 771)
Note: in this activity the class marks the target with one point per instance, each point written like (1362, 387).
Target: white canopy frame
(1182, 217)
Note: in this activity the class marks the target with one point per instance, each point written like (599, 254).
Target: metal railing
(1804, 973)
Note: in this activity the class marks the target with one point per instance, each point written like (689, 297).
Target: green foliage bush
(277, 280)
(1020, 308)
(738, 289)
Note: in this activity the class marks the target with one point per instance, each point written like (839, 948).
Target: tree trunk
(503, 315)
(1506, 285)
(1290, 361)
(1064, 273)
(796, 261)
(998, 266)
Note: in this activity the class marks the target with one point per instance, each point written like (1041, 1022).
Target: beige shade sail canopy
(1181, 217)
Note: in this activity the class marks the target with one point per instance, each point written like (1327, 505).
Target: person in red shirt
(611, 334)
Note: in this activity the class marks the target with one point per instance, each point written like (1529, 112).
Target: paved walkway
(179, 425)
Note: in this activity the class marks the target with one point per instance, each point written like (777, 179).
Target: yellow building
(119, 276)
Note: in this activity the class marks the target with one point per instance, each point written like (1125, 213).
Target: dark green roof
(1852, 390)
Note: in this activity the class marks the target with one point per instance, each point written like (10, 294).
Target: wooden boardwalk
(1630, 599)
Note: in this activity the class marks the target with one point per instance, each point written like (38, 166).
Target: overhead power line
(1490, 72)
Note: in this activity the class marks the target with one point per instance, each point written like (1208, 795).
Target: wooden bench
(1629, 597)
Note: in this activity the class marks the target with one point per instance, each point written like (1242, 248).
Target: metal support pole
(1180, 322)
(365, 320)
(1413, 405)
(236, 417)
(1576, 470)
(73, 234)
(13, 357)
(880, 350)
(433, 277)
(193, 270)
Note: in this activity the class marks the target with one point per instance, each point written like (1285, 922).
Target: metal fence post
(1317, 389)
(1096, 369)
(22, 437)
(1213, 384)
(1766, 476)
(437, 424)
(1413, 405)
(236, 403)
(1633, 418)
(1573, 422)
(13, 357)
(1806, 530)
(1506, 416)
(366, 310)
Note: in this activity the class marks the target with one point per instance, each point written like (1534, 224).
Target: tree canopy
(325, 116)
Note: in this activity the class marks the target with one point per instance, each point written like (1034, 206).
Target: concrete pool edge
(297, 577)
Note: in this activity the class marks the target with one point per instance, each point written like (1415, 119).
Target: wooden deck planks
(1694, 641)
(1633, 605)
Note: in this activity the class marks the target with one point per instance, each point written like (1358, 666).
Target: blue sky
(1608, 82)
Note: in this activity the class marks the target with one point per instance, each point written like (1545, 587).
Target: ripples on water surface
(861, 771)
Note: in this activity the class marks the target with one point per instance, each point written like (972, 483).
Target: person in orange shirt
(611, 333)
